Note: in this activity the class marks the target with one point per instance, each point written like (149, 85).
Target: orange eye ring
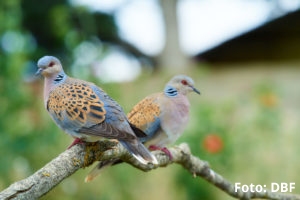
(184, 82)
(51, 64)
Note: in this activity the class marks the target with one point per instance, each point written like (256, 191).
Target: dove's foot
(76, 141)
(164, 149)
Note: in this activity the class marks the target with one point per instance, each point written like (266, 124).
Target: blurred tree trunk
(171, 57)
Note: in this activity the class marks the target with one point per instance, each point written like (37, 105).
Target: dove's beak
(196, 90)
(39, 72)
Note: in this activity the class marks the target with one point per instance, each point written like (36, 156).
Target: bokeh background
(244, 58)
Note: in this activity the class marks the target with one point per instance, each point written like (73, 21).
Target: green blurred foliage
(29, 29)
(257, 125)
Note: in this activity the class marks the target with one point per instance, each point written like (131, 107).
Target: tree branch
(84, 155)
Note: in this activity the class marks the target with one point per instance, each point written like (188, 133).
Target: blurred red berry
(213, 143)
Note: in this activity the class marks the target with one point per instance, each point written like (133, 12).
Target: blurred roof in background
(276, 40)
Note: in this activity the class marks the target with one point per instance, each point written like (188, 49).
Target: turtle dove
(162, 116)
(85, 111)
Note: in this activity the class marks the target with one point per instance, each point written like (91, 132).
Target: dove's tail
(136, 148)
(140, 152)
(99, 167)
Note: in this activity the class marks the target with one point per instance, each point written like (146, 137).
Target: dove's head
(183, 84)
(49, 66)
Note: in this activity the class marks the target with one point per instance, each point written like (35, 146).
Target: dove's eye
(184, 82)
(51, 64)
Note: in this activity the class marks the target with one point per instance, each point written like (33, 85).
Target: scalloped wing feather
(77, 104)
(146, 114)
(108, 131)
